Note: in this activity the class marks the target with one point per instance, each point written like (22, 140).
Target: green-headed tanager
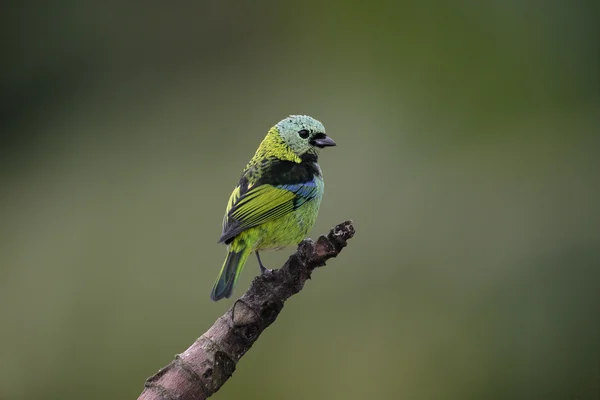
(276, 202)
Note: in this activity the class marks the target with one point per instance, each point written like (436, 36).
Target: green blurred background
(468, 142)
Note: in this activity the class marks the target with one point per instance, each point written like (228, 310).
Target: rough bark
(205, 366)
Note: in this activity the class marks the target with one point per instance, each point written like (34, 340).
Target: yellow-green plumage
(277, 199)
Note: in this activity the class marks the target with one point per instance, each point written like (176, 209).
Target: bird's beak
(322, 140)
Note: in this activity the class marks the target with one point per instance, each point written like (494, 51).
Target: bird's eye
(304, 133)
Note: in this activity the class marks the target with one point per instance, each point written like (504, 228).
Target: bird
(277, 199)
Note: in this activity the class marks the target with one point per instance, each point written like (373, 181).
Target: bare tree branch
(205, 366)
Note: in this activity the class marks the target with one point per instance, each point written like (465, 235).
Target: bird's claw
(264, 270)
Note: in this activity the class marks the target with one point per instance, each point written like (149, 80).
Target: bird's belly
(289, 229)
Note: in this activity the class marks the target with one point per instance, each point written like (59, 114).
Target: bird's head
(304, 135)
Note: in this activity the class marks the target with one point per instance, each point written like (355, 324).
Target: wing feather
(263, 203)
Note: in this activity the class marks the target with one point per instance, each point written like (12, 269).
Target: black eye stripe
(304, 133)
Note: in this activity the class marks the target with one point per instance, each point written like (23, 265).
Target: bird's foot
(264, 270)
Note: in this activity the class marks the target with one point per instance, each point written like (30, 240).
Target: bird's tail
(229, 274)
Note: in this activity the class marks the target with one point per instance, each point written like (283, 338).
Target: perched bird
(277, 199)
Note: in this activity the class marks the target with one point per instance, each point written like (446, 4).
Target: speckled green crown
(298, 122)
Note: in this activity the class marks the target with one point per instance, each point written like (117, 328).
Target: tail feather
(229, 274)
